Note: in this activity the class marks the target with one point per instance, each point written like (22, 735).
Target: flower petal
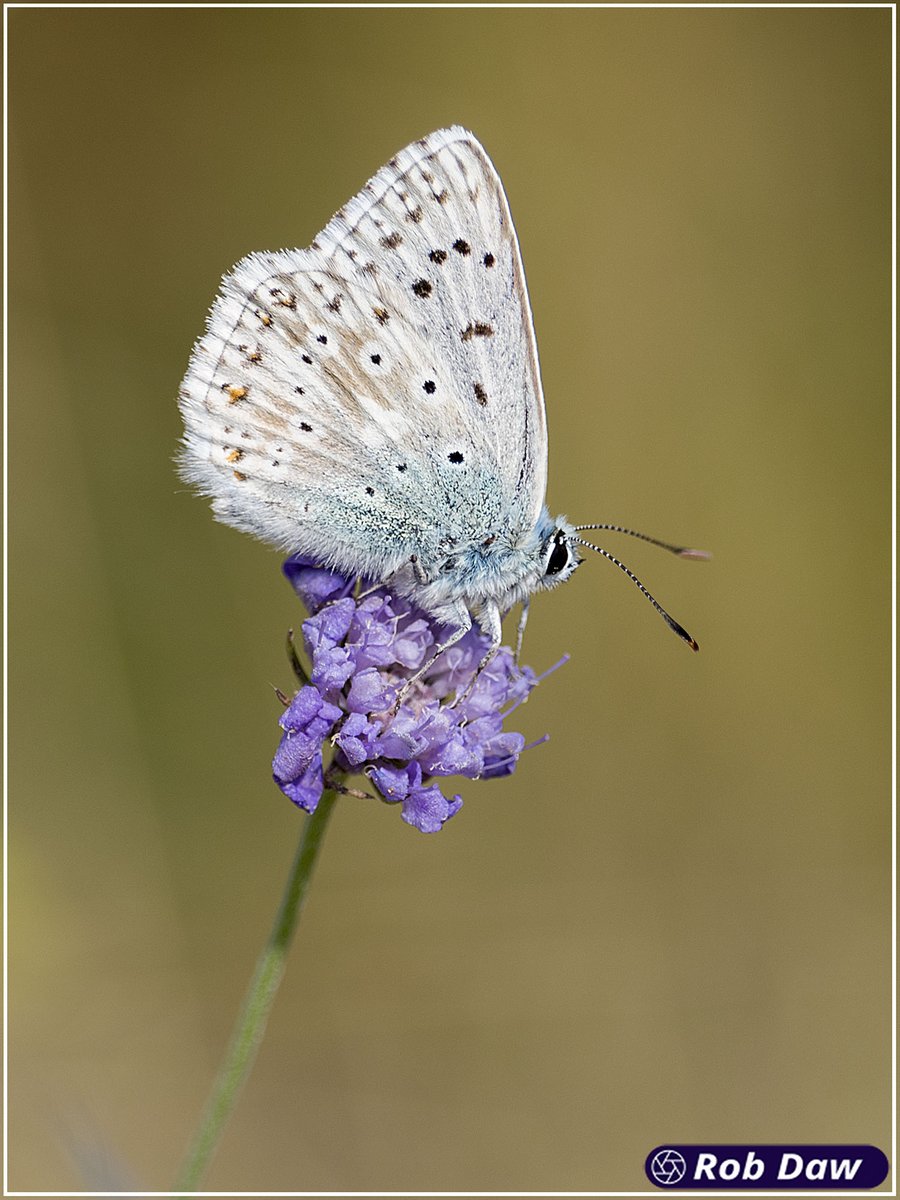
(306, 792)
(370, 692)
(427, 809)
(394, 783)
(314, 585)
(357, 739)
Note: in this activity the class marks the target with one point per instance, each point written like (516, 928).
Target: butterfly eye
(559, 557)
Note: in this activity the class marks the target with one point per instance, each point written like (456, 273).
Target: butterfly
(374, 402)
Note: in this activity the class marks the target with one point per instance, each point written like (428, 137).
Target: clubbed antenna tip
(681, 551)
(683, 634)
(669, 620)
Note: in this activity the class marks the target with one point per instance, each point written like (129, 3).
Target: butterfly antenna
(681, 551)
(670, 621)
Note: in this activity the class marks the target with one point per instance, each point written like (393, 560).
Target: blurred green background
(673, 922)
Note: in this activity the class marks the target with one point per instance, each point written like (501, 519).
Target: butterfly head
(559, 556)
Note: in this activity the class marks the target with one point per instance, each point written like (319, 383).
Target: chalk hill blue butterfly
(374, 402)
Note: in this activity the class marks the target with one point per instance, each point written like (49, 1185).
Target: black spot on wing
(476, 329)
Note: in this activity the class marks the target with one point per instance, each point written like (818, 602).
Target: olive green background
(672, 923)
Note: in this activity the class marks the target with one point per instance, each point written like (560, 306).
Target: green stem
(251, 1023)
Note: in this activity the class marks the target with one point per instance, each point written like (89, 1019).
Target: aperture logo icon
(667, 1167)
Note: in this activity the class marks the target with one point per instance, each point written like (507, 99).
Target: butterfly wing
(378, 394)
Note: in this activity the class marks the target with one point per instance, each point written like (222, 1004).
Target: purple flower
(362, 652)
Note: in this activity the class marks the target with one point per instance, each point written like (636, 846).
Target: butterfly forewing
(378, 394)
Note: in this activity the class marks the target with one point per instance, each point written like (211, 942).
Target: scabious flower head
(362, 651)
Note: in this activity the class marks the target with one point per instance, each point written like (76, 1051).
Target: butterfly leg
(422, 576)
(520, 632)
(489, 621)
(370, 591)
